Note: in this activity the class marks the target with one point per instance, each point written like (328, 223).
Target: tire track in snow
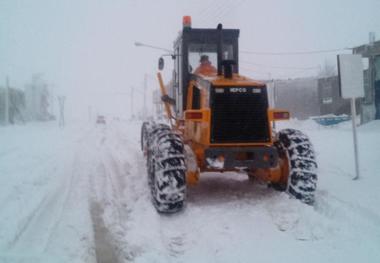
(45, 196)
(35, 231)
(37, 168)
(169, 236)
(109, 211)
(104, 249)
(297, 219)
(104, 243)
(143, 236)
(331, 206)
(308, 223)
(153, 234)
(41, 166)
(173, 241)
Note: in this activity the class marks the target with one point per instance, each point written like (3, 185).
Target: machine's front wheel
(302, 180)
(167, 170)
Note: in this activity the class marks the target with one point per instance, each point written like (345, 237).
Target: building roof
(368, 50)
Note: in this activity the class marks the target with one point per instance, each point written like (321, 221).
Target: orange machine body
(195, 127)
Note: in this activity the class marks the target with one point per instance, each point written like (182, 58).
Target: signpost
(351, 80)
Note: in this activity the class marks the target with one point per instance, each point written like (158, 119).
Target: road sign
(351, 77)
(351, 80)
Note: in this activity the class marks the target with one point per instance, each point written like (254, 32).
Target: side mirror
(161, 63)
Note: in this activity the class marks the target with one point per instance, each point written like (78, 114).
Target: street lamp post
(139, 44)
(145, 87)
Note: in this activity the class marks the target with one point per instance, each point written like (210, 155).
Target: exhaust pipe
(220, 49)
(228, 68)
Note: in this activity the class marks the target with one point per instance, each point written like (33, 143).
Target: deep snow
(81, 195)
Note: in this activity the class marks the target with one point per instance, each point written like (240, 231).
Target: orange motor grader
(220, 121)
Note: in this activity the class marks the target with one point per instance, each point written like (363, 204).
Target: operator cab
(190, 46)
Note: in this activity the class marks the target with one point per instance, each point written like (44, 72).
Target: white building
(37, 99)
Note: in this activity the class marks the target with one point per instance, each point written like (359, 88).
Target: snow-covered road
(81, 195)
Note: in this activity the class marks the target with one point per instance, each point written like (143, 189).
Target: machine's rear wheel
(166, 169)
(302, 180)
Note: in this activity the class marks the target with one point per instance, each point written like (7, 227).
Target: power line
(219, 11)
(294, 53)
(279, 67)
(211, 6)
(211, 11)
(228, 9)
(256, 71)
(222, 9)
(294, 74)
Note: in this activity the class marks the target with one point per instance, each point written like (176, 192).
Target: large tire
(302, 180)
(166, 169)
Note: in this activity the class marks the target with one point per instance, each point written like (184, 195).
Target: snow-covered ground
(81, 195)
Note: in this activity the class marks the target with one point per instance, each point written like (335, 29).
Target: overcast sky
(85, 48)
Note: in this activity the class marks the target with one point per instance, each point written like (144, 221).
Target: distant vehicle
(100, 119)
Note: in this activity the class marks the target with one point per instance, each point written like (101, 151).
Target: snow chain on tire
(302, 181)
(166, 168)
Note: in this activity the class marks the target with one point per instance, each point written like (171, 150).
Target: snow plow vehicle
(219, 120)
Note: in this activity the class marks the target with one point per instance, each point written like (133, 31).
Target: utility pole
(145, 88)
(132, 94)
(6, 112)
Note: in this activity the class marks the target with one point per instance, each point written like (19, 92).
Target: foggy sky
(85, 48)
